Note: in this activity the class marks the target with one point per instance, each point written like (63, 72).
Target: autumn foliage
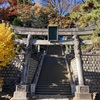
(6, 44)
(8, 11)
(11, 2)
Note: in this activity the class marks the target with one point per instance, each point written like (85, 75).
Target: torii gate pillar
(82, 91)
(78, 60)
(22, 89)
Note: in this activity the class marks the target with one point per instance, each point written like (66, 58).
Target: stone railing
(74, 71)
(34, 83)
(67, 58)
(91, 71)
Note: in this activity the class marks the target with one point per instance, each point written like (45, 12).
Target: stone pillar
(38, 48)
(26, 60)
(78, 60)
(82, 91)
(22, 89)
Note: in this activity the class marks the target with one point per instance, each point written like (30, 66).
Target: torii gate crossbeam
(46, 42)
(61, 32)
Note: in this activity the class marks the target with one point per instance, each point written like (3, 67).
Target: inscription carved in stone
(84, 89)
(21, 88)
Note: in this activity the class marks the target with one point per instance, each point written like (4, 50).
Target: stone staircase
(53, 78)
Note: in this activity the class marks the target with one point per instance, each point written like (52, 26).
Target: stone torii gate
(82, 91)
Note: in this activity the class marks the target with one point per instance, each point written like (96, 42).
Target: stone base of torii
(21, 93)
(82, 93)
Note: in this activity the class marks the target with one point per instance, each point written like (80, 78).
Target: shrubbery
(17, 22)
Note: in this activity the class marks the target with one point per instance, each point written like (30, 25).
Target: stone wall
(12, 73)
(91, 67)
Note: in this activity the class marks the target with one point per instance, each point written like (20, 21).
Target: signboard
(53, 33)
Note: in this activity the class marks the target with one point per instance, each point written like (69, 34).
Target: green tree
(24, 1)
(89, 15)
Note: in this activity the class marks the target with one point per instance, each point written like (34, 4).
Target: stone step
(53, 78)
(52, 93)
(54, 87)
(52, 97)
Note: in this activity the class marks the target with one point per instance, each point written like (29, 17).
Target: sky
(36, 0)
(7, 4)
(4, 5)
(65, 12)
